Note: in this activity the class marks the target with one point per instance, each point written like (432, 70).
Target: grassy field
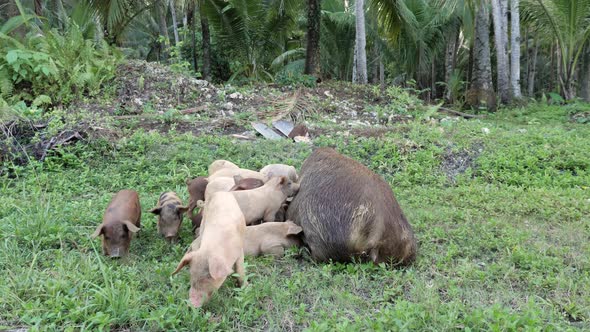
(500, 208)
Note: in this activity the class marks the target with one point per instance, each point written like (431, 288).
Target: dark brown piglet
(347, 211)
(170, 212)
(196, 190)
(121, 219)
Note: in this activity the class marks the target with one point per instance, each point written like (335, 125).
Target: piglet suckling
(221, 250)
(280, 170)
(271, 238)
(224, 168)
(120, 221)
(264, 202)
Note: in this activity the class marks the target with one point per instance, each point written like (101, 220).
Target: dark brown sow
(347, 211)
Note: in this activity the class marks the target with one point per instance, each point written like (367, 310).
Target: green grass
(504, 245)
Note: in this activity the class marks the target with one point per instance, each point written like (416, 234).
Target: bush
(61, 67)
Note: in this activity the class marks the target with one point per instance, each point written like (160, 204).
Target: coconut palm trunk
(585, 75)
(501, 41)
(481, 92)
(174, 21)
(360, 52)
(515, 49)
(206, 45)
(312, 57)
(532, 70)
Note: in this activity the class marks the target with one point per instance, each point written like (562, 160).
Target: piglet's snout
(115, 253)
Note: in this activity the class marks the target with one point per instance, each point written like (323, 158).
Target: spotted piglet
(170, 212)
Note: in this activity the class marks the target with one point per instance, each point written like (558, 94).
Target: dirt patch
(455, 163)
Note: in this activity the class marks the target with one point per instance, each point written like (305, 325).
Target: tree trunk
(585, 74)
(433, 79)
(190, 18)
(381, 74)
(38, 8)
(553, 69)
(481, 92)
(174, 21)
(451, 47)
(312, 57)
(163, 29)
(206, 45)
(532, 70)
(515, 46)
(500, 38)
(360, 43)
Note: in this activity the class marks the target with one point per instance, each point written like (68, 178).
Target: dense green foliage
(502, 241)
(46, 68)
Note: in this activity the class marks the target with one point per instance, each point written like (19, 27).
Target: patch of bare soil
(455, 163)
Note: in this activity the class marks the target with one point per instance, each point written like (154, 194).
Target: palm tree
(515, 49)
(481, 91)
(499, 15)
(360, 53)
(312, 58)
(567, 22)
(206, 39)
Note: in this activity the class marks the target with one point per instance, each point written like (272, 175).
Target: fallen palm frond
(296, 106)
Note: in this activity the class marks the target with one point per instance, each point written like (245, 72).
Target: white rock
(228, 106)
(201, 83)
(236, 95)
(485, 130)
(302, 139)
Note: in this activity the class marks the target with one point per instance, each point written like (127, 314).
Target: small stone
(228, 106)
(302, 139)
(485, 130)
(201, 83)
(522, 130)
(236, 95)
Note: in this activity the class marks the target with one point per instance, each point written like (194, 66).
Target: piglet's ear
(156, 210)
(98, 231)
(294, 229)
(182, 209)
(217, 268)
(130, 226)
(237, 179)
(283, 180)
(186, 260)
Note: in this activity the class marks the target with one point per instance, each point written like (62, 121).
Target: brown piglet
(170, 212)
(196, 190)
(121, 219)
(221, 250)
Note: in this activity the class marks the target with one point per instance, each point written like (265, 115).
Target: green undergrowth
(500, 208)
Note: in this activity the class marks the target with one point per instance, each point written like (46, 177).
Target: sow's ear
(156, 210)
(130, 226)
(186, 260)
(217, 268)
(98, 231)
(294, 229)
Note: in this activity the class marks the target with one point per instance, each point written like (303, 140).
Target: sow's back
(347, 211)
